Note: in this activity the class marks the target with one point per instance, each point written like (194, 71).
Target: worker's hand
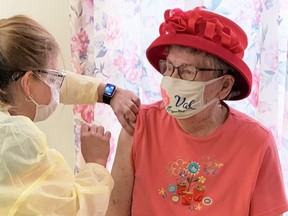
(95, 144)
(125, 105)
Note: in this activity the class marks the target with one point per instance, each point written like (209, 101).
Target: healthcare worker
(34, 179)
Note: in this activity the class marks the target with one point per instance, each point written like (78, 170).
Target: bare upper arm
(122, 173)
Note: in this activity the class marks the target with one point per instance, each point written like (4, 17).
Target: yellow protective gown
(78, 89)
(36, 180)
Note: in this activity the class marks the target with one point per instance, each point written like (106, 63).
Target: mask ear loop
(28, 98)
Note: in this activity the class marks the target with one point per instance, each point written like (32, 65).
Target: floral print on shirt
(188, 185)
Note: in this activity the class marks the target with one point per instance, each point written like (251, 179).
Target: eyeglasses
(53, 78)
(185, 72)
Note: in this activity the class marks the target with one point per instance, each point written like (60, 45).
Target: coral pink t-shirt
(233, 172)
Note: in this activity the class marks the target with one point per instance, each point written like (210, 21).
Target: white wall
(54, 15)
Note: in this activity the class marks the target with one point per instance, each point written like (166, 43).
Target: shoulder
(22, 144)
(151, 115)
(246, 121)
(19, 130)
(152, 109)
(158, 105)
(249, 129)
(150, 120)
(19, 124)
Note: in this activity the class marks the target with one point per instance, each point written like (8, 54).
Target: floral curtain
(109, 40)
(82, 60)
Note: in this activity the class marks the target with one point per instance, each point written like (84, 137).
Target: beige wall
(54, 15)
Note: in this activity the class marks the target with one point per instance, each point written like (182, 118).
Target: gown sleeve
(78, 89)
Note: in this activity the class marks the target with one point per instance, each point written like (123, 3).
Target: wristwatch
(108, 93)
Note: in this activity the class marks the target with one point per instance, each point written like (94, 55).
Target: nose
(175, 73)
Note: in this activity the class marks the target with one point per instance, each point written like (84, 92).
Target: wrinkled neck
(205, 122)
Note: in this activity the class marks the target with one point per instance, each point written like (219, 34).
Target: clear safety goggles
(53, 78)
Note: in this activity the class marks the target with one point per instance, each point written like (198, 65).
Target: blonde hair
(24, 45)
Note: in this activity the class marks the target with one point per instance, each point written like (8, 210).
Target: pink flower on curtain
(129, 65)
(112, 30)
(251, 13)
(133, 75)
(86, 111)
(119, 63)
(257, 11)
(79, 44)
(271, 54)
(90, 4)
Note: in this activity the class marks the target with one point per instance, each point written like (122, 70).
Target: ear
(26, 82)
(228, 83)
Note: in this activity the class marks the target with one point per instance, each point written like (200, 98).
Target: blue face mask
(182, 98)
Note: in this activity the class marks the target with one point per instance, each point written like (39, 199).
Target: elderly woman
(191, 153)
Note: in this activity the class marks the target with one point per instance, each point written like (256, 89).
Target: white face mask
(182, 98)
(43, 112)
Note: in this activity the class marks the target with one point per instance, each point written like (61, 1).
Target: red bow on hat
(177, 21)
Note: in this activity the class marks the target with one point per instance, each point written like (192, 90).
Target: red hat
(210, 32)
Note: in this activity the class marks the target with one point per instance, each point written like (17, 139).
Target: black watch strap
(108, 93)
(106, 99)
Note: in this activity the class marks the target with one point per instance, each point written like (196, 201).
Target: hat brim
(156, 52)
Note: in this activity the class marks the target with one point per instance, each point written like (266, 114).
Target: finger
(107, 135)
(84, 128)
(136, 101)
(133, 107)
(94, 128)
(124, 123)
(100, 130)
(132, 125)
(130, 129)
(130, 116)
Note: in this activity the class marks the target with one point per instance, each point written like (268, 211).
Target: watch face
(109, 89)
